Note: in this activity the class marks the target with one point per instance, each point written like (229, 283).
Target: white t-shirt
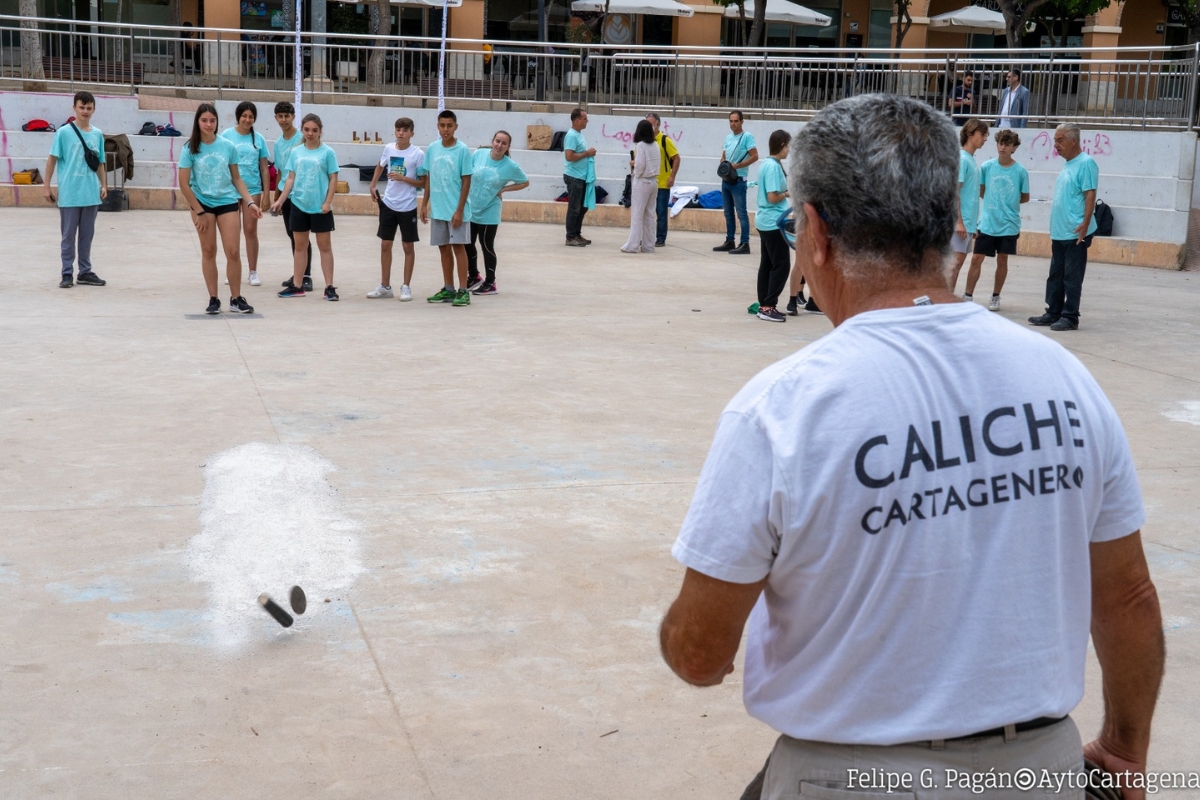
(1004, 121)
(920, 585)
(400, 196)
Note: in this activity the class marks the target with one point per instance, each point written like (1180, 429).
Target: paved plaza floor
(493, 494)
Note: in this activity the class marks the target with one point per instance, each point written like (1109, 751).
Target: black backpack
(556, 141)
(1104, 218)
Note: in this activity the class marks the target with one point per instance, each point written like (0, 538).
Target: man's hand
(1081, 231)
(424, 213)
(327, 207)
(1099, 753)
(591, 151)
(48, 193)
(374, 192)
(670, 181)
(960, 228)
(103, 192)
(456, 219)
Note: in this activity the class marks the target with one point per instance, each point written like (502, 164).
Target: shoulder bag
(725, 170)
(89, 155)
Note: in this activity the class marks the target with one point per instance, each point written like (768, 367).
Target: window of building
(657, 31)
(879, 29)
(814, 36)
(518, 20)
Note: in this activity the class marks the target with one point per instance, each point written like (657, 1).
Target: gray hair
(657, 119)
(1071, 130)
(882, 171)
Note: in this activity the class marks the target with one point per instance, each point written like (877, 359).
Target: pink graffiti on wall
(1096, 145)
(626, 137)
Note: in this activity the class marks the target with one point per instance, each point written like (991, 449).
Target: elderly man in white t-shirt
(920, 514)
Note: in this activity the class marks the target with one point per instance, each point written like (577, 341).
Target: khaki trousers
(989, 768)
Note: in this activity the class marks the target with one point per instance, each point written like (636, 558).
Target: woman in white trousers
(642, 217)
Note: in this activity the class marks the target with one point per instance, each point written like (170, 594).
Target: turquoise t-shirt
(1079, 175)
(574, 141)
(770, 179)
(446, 168)
(314, 169)
(968, 193)
(737, 146)
(250, 149)
(1002, 197)
(488, 179)
(283, 150)
(210, 179)
(78, 186)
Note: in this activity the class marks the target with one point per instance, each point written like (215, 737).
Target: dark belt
(1009, 732)
(1020, 727)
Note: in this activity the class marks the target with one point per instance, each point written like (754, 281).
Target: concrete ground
(513, 475)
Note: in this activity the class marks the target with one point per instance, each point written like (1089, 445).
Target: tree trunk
(31, 44)
(905, 19)
(1015, 17)
(383, 28)
(758, 30)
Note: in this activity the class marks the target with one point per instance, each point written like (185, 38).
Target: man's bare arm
(703, 628)
(1128, 636)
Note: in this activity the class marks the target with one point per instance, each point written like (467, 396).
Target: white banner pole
(299, 69)
(442, 58)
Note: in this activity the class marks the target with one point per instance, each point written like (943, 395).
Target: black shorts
(986, 245)
(316, 223)
(390, 220)
(228, 208)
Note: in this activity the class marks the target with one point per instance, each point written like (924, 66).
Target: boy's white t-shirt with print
(919, 487)
(400, 196)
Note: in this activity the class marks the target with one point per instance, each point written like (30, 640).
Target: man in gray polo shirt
(920, 514)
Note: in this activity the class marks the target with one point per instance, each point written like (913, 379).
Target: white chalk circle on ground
(1185, 411)
(269, 520)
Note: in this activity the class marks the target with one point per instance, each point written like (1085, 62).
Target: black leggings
(773, 267)
(287, 226)
(487, 236)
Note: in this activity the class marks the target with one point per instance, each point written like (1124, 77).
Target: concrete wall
(1147, 177)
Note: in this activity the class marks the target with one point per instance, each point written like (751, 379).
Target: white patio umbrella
(972, 19)
(783, 11)
(660, 8)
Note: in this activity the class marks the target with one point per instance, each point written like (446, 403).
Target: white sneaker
(968, 298)
(405, 294)
(254, 281)
(227, 281)
(380, 291)
(994, 305)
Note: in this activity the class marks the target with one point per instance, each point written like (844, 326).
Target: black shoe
(585, 241)
(290, 290)
(810, 307)
(576, 241)
(89, 278)
(238, 305)
(1044, 319)
(307, 283)
(771, 315)
(214, 306)
(66, 282)
(742, 249)
(286, 283)
(331, 293)
(1064, 324)
(791, 306)
(724, 248)
(660, 244)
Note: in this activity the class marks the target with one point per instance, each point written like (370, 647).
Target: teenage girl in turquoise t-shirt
(213, 188)
(311, 183)
(252, 165)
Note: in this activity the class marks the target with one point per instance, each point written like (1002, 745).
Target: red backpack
(38, 125)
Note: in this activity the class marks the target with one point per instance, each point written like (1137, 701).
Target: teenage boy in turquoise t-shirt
(80, 189)
(972, 136)
(447, 170)
(1004, 186)
(289, 139)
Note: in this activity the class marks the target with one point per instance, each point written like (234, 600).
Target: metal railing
(1113, 87)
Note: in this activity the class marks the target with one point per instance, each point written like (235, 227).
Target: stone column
(1097, 81)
